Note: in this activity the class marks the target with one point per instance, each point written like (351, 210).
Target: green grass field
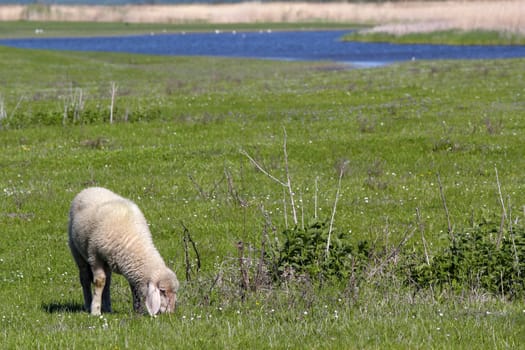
(177, 147)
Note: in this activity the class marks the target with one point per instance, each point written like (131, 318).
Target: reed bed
(396, 17)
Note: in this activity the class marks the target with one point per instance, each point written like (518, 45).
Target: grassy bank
(448, 37)
(176, 147)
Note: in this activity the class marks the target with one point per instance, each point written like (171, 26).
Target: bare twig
(511, 231)
(499, 192)
(332, 219)
(509, 214)
(114, 88)
(287, 184)
(79, 105)
(285, 210)
(233, 192)
(259, 277)
(302, 209)
(199, 189)
(75, 100)
(504, 211)
(352, 286)
(288, 180)
(442, 193)
(261, 169)
(245, 281)
(187, 259)
(421, 229)
(17, 105)
(187, 238)
(65, 116)
(425, 246)
(202, 192)
(393, 253)
(315, 196)
(3, 113)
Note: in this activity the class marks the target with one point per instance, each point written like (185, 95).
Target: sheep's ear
(153, 299)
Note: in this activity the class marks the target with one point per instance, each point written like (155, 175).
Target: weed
(366, 124)
(375, 174)
(493, 127)
(98, 143)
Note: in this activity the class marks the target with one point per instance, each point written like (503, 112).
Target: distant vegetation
(450, 37)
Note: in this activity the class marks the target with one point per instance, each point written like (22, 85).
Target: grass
(448, 37)
(180, 125)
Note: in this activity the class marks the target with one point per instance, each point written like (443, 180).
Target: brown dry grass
(399, 17)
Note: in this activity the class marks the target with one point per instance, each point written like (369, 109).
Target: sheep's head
(162, 294)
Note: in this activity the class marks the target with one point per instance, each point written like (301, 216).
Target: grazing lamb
(109, 233)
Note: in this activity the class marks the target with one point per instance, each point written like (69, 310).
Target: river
(321, 45)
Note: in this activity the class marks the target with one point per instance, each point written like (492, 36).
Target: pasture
(391, 145)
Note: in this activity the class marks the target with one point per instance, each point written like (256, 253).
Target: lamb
(108, 233)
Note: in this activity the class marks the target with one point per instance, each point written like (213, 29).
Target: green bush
(303, 253)
(478, 259)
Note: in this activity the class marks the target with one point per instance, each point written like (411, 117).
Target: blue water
(286, 45)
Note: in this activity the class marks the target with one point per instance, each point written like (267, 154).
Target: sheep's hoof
(95, 311)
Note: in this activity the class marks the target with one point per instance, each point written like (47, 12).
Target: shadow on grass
(53, 308)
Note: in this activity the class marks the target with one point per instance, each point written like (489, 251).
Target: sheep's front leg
(99, 280)
(106, 296)
(137, 299)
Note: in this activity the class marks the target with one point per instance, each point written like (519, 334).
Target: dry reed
(397, 17)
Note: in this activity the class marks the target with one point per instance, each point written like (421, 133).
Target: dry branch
(187, 239)
(287, 184)
(332, 219)
(245, 280)
(421, 229)
(504, 211)
(114, 88)
(444, 201)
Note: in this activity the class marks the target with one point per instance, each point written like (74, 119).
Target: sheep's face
(162, 295)
(168, 295)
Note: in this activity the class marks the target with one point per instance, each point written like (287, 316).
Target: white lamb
(109, 233)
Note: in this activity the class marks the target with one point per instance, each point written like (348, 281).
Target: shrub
(480, 258)
(302, 253)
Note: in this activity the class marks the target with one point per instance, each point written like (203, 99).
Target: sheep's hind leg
(99, 280)
(86, 277)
